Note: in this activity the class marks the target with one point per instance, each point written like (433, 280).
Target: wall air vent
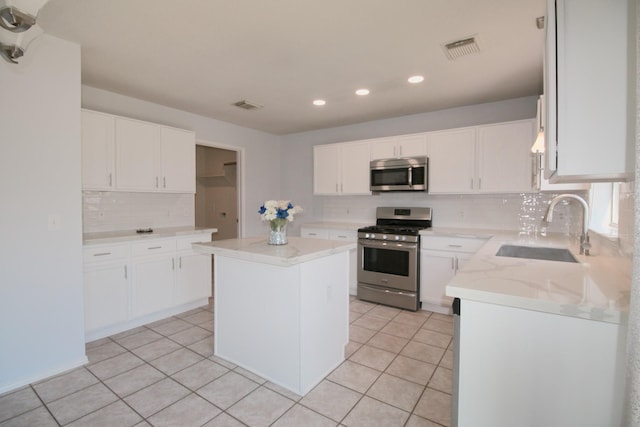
(246, 105)
(458, 48)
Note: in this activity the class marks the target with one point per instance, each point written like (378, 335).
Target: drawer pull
(155, 247)
(102, 254)
(455, 246)
(312, 234)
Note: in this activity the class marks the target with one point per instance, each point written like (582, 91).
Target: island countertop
(594, 288)
(298, 250)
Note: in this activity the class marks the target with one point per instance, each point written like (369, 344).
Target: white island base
(281, 312)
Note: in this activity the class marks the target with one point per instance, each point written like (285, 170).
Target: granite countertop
(131, 235)
(595, 288)
(256, 249)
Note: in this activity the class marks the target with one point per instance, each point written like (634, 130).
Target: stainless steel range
(389, 257)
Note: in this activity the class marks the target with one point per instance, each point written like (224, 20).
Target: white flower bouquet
(278, 212)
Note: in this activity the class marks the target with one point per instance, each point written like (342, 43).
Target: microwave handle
(410, 170)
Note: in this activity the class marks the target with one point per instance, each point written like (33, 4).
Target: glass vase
(278, 234)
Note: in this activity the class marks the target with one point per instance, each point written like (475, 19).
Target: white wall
(259, 169)
(297, 158)
(41, 307)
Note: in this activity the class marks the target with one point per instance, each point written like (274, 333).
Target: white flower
(278, 210)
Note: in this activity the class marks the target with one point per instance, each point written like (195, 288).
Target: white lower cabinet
(440, 259)
(130, 284)
(152, 288)
(106, 285)
(343, 235)
(522, 367)
(193, 272)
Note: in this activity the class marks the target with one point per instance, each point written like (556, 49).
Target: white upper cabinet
(98, 151)
(412, 145)
(452, 161)
(589, 53)
(383, 148)
(137, 155)
(178, 154)
(122, 154)
(341, 168)
(354, 168)
(504, 157)
(399, 146)
(492, 158)
(326, 169)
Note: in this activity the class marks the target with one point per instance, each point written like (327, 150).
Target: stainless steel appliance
(409, 174)
(389, 257)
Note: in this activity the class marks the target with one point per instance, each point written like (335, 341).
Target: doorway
(216, 199)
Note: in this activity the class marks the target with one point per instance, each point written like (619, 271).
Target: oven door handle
(388, 244)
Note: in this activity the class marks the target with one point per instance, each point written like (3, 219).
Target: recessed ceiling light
(415, 79)
(362, 92)
(319, 102)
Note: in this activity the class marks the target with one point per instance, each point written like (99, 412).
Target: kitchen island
(540, 342)
(282, 312)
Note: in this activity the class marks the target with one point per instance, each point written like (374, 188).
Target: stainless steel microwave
(409, 174)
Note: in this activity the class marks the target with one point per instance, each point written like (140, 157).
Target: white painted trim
(240, 154)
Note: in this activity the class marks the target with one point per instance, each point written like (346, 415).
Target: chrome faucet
(584, 238)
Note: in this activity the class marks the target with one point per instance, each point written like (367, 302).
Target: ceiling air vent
(246, 105)
(458, 48)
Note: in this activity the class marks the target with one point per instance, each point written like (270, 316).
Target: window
(604, 199)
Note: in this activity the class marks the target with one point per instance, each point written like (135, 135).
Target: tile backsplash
(114, 211)
(522, 212)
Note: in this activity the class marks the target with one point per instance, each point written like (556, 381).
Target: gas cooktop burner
(387, 229)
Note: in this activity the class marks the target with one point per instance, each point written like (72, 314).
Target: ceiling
(202, 56)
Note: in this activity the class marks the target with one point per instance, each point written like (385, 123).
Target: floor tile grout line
(165, 375)
(385, 371)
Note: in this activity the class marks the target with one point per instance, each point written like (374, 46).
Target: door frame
(240, 179)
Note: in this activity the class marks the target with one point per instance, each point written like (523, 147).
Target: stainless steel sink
(536, 252)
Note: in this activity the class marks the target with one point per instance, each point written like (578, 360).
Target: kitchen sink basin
(536, 252)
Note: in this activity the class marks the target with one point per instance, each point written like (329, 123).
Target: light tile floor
(397, 373)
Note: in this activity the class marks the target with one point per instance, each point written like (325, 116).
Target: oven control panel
(391, 237)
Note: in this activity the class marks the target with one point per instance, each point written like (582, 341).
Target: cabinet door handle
(336, 187)
(472, 183)
(164, 182)
(110, 179)
(479, 183)
(453, 265)
(156, 182)
(126, 275)
(102, 254)
(341, 188)
(456, 264)
(173, 263)
(180, 262)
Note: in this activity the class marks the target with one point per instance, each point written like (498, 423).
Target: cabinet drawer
(184, 243)
(105, 253)
(345, 235)
(153, 247)
(314, 233)
(453, 244)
